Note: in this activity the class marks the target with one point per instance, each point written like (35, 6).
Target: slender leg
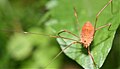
(50, 36)
(91, 56)
(61, 52)
(101, 11)
(67, 32)
(109, 25)
(112, 7)
(40, 34)
(76, 16)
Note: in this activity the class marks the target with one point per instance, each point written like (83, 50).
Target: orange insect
(87, 34)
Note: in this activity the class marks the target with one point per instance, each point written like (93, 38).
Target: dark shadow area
(70, 64)
(84, 50)
(113, 58)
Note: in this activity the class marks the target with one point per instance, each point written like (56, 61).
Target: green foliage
(87, 11)
(21, 51)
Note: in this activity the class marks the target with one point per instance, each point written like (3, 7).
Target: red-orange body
(87, 34)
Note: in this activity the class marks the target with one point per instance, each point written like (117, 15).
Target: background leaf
(20, 50)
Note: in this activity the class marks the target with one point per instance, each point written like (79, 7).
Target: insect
(86, 36)
(87, 33)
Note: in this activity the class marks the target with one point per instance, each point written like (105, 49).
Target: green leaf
(63, 16)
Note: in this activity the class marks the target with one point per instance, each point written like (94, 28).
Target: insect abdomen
(87, 34)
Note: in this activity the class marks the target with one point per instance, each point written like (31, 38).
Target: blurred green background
(32, 51)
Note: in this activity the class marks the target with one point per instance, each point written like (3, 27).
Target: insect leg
(112, 7)
(91, 56)
(24, 32)
(101, 11)
(74, 42)
(109, 25)
(50, 35)
(76, 16)
(67, 32)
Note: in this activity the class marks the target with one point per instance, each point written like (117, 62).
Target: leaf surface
(63, 18)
